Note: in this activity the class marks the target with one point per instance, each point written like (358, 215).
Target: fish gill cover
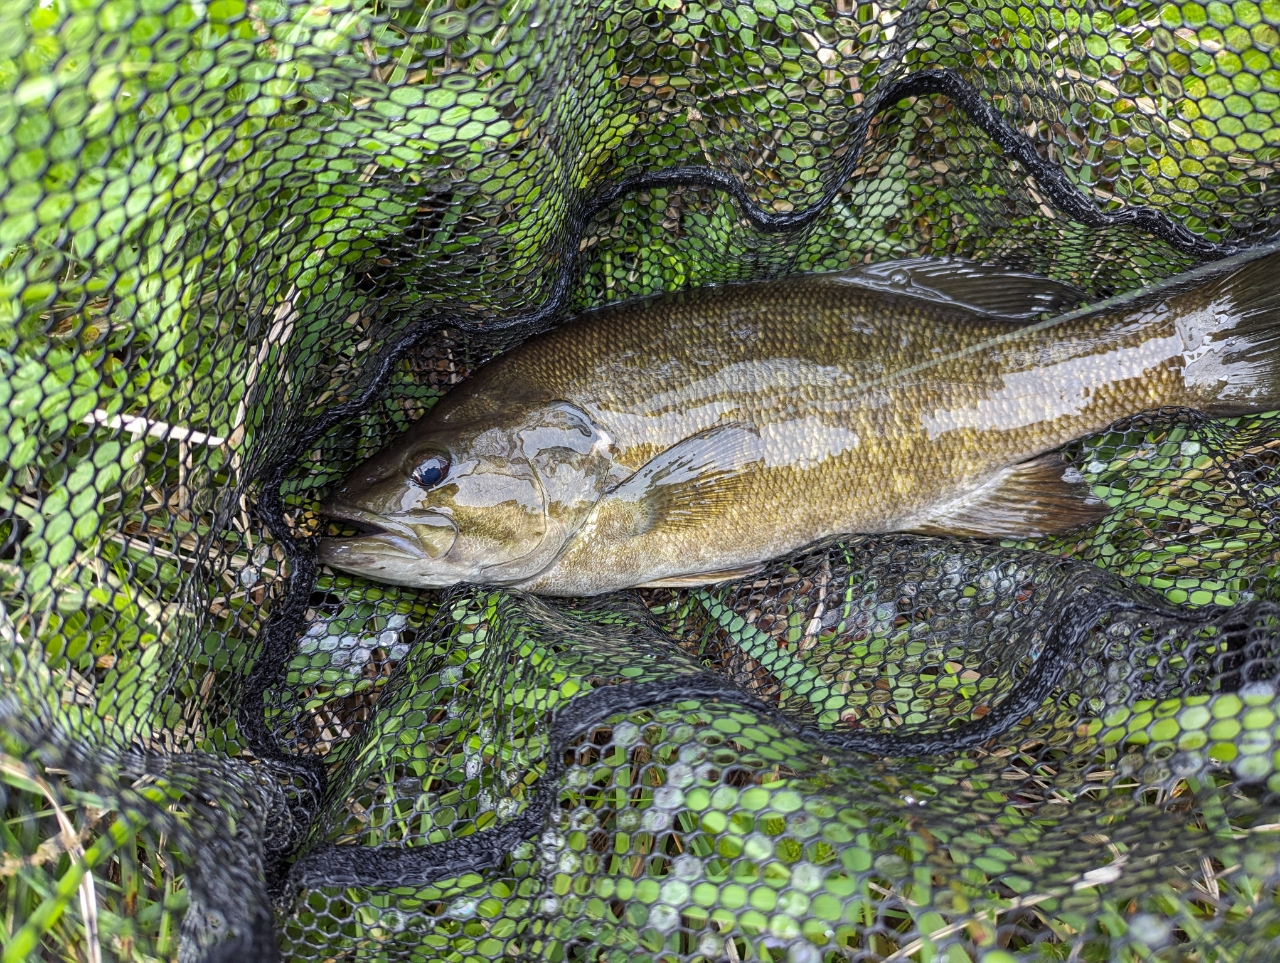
(244, 243)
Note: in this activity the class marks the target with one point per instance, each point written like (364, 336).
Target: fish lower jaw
(356, 548)
(380, 559)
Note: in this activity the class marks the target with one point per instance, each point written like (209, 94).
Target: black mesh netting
(244, 243)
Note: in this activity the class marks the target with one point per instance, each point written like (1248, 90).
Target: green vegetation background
(193, 192)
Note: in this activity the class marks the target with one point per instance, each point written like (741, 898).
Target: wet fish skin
(675, 438)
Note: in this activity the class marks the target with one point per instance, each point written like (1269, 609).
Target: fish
(686, 439)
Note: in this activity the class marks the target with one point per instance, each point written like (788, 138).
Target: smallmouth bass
(685, 439)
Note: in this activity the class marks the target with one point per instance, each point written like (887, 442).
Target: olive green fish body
(673, 440)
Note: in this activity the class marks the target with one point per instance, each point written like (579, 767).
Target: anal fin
(702, 578)
(1039, 497)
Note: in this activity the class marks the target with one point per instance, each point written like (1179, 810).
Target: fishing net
(245, 243)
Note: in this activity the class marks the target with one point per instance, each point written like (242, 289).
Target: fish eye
(431, 472)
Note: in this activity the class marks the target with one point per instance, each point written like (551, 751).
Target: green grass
(133, 879)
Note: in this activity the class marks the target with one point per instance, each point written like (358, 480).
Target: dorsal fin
(987, 289)
(1038, 497)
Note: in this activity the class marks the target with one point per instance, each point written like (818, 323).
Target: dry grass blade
(1210, 877)
(917, 944)
(71, 842)
(48, 850)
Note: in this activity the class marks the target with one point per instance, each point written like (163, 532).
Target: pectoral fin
(697, 480)
(988, 289)
(1038, 497)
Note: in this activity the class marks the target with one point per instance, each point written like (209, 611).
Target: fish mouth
(362, 527)
(430, 538)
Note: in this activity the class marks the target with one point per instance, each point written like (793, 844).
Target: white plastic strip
(139, 426)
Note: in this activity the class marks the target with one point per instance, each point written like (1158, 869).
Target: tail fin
(1231, 328)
